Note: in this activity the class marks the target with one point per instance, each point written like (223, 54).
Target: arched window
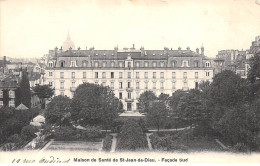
(196, 63)
(137, 64)
(84, 63)
(154, 64)
(207, 64)
(162, 64)
(174, 64)
(96, 64)
(62, 63)
(104, 64)
(146, 64)
(112, 64)
(120, 64)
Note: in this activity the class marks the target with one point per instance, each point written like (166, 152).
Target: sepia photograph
(130, 81)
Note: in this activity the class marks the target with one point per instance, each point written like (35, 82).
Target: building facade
(128, 72)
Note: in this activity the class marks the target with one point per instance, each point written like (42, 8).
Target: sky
(30, 28)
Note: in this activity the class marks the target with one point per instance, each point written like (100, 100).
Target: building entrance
(129, 106)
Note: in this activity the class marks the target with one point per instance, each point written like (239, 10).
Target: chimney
(179, 48)
(171, 49)
(202, 50)
(61, 49)
(188, 48)
(133, 46)
(197, 50)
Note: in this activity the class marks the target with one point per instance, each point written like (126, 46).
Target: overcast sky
(29, 28)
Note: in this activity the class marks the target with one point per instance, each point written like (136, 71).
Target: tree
(58, 111)
(95, 105)
(25, 92)
(131, 137)
(28, 132)
(157, 114)
(44, 91)
(145, 100)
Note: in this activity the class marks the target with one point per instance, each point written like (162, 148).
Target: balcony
(72, 89)
(129, 89)
(129, 100)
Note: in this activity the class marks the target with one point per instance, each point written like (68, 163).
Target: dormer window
(162, 64)
(137, 64)
(185, 63)
(73, 64)
(196, 64)
(50, 64)
(146, 64)
(104, 64)
(120, 64)
(154, 64)
(207, 64)
(84, 64)
(112, 64)
(174, 64)
(96, 64)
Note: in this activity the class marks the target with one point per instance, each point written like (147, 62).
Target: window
(154, 75)
(96, 74)
(129, 95)
(137, 95)
(146, 85)
(84, 64)
(207, 74)
(173, 75)
(72, 74)
(104, 64)
(103, 83)
(162, 75)
(112, 85)
(73, 84)
(112, 64)
(61, 74)
(61, 85)
(137, 85)
(84, 75)
(73, 63)
(1, 103)
(120, 74)
(162, 85)
(162, 64)
(196, 85)
(1, 94)
(120, 95)
(174, 64)
(62, 93)
(154, 64)
(137, 75)
(51, 84)
(145, 75)
(185, 63)
(120, 64)
(11, 103)
(96, 82)
(185, 85)
(11, 94)
(207, 64)
(50, 64)
(112, 74)
(137, 64)
(50, 74)
(173, 85)
(196, 64)
(154, 85)
(103, 74)
(146, 64)
(96, 64)
(120, 85)
(129, 75)
(128, 84)
(185, 75)
(129, 64)
(196, 75)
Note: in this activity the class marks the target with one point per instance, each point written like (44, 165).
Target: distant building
(128, 72)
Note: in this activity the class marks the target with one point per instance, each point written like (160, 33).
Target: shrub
(15, 138)
(28, 132)
(131, 137)
(240, 147)
(107, 142)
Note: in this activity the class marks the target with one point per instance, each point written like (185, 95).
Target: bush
(107, 142)
(28, 132)
(131, 137)
(240, 147)
(117, 125)
(15, 138)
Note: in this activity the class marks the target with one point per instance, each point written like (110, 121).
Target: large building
(129, 72)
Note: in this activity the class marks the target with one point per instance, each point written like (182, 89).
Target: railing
(72, 89)
(129, 100)
(129, 89)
